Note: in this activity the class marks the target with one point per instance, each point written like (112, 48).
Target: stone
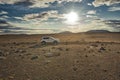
(102, 48)
(74, 68)
(34, 57)
(2, 58)
(52, 54)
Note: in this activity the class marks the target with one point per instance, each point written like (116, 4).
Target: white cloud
(4, 17)
(60, 1)
(37, 3)
(114, 9)
(20, 18)
(37, 27)
(9, 1)
(3, 12)
(2, 24)
(89, 4)
(93, 25)
(91, 16)
(33, 27)
(98, 3)
(91, 12)
(43, 16)
(41, 3)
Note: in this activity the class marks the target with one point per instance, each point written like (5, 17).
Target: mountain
(98, 31)
(65, 32)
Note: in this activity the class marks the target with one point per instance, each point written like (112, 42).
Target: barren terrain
(82, 56)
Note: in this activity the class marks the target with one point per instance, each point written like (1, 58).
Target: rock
(99, 51)
(75, 68)
(2, 58)
(16, 51)
(48, 55)
(6, 53)
(28, 54)
(67, 49)
(11, 77)
(52, 54)
(102, 49)
(105, 70)
(14, 43)
(47, 61)
(34, 57)
(94, 45)
(109, 49)
(56, 54)
(1, 53)
(20, 51)
(60, 49)
(86, 56)
(53, 47)
(85, 49)
(21, 54)
(76, 61)
(102, 44)
(118, 52)
(97, 41)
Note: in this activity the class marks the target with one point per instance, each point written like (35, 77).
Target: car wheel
(55, 42)
(43, 42)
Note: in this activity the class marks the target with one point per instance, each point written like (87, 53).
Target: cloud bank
(98, 3)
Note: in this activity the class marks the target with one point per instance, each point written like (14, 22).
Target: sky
(54, 16)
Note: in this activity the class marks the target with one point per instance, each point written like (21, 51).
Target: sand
(83, 56)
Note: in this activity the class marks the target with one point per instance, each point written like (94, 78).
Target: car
(49, 39)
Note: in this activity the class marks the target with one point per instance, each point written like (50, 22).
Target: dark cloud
(5, 25)
(3, 22)
(43, 16)
(98, 3)
(114, 23)
(24, 3)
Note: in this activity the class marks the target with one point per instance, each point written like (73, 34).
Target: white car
(49, 39)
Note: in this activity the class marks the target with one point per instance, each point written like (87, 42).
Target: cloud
(35, 3)
(3, 12)
(41, 3)
(89, 4)
(98, 3)
(95, 24)
(31, 3)
(10, 28)
(43, 16)
(113, 23)
(91, 16)
(60, 1)
(91, 12)
(114, 9)
(24, 3)
(6, 25)
(8, 1)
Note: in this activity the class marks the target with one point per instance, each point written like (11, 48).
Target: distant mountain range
(91, 31)
(99, 31)
(65, 32)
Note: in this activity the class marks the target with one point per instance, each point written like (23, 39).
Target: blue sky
(54, 16)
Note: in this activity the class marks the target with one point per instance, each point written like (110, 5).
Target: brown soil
(78, 57)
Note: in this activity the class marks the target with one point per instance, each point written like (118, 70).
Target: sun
(71, 18)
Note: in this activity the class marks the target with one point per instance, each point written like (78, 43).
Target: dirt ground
(83, 56)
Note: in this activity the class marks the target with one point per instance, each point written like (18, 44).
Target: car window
(46, 38)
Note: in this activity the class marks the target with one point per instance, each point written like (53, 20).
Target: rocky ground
(77, 57)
